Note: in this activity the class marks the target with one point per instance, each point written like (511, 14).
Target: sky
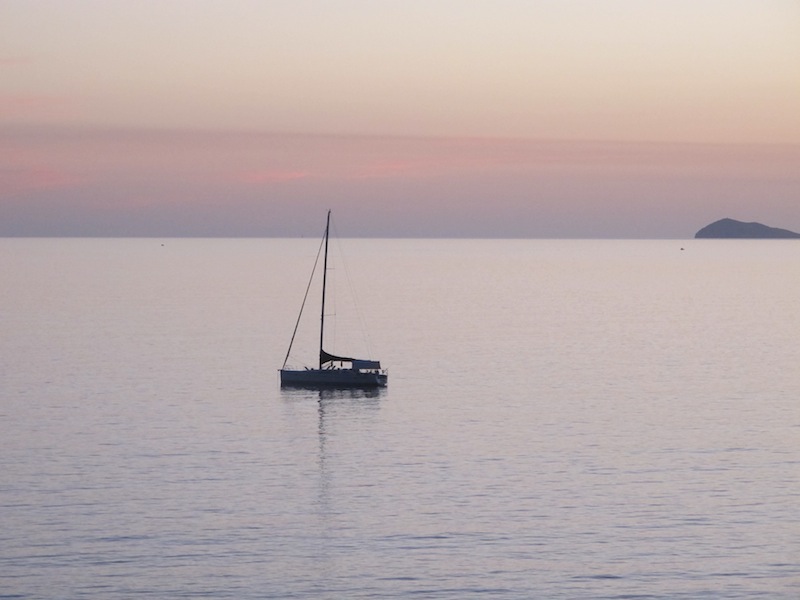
(408, 118)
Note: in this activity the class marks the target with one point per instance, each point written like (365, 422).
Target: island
(731, 228)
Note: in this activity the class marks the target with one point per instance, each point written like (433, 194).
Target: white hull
(347, 378)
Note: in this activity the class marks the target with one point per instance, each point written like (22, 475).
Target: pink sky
(506, 118)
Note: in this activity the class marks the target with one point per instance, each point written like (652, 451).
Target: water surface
(564, 419)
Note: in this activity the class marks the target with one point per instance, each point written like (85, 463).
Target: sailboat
(333, 371)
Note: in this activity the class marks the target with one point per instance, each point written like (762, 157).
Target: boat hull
(335, 378)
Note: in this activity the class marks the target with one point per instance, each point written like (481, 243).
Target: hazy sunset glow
(447, 118)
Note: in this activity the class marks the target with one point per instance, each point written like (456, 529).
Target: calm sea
(564, 419)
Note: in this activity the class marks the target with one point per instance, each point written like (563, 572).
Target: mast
(324, 282)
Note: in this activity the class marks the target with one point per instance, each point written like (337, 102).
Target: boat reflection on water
(335, 404)
(328, 394)
(335, 407)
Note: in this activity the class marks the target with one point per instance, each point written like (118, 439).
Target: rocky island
(730, 228)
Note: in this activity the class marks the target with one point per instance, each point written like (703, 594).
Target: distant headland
(730, 228)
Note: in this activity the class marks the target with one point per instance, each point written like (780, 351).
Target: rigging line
(333, 296)
(362, 323)
(302, 306)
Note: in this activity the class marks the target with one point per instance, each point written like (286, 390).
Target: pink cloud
(387, 169)
(429, 166)
(15, 105)
(267, 176)
(15, 61)
(15, 180)
(366, 170)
